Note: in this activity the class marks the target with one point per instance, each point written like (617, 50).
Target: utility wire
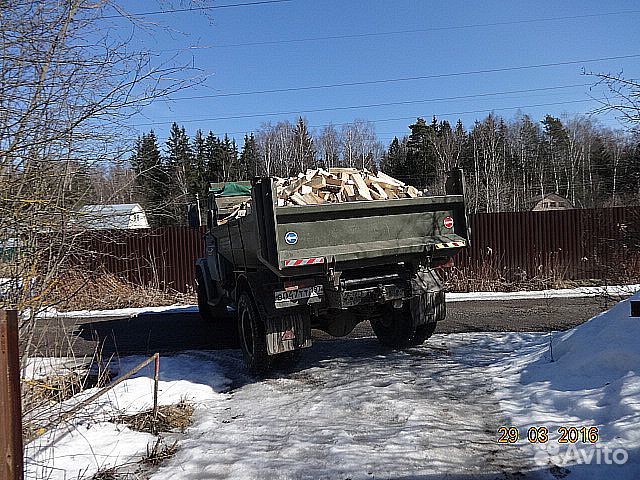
(387, 104)
(195, 9)
(406, 79)
(421, 30)
(388, 119)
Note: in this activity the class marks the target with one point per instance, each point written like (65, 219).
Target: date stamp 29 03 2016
(541, 434)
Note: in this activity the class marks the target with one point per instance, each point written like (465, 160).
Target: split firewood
(294, 186)
(412, 191)
(297, 199)
(337, 185)
(361, 186)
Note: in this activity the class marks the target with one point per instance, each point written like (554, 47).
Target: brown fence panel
(160, 257)
(574, 244)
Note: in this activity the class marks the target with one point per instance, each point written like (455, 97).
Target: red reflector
(288, 335)
(448, 222)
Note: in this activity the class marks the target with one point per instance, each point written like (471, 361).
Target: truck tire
(287, 361)
(394, 327)
(251, 332)
(423, 332)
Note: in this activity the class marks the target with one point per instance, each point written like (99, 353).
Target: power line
(390, 119)
(406, 79)
(195, 9)
(386, 104)
(421, 30)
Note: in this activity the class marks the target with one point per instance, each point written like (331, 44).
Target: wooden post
(11, 466)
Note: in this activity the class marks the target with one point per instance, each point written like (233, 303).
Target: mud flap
(288, 331)
(428, 303)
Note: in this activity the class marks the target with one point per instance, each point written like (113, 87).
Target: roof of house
(548, 196)
(110, 216)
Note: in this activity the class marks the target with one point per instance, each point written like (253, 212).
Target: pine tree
(249, 158)
(394, 161)
(557, 138)
(152, 179)
(200, 185)
(182, 171)
(421, 163)
(213, 153)
(304, 150)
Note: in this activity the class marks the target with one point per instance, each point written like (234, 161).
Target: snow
(615, 290)
(91, 441)
(117, 312)
(41, 367)
(354, 410)
(588, 376)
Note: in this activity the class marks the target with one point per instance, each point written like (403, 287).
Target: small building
(549, 201)
(124, 216)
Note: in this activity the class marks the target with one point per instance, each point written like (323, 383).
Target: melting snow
(354, 410)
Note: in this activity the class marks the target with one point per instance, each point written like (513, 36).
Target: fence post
(10, 399)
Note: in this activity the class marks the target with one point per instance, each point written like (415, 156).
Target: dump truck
(285, 270)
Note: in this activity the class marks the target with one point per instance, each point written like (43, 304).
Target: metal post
(156, 378)
(11, 465)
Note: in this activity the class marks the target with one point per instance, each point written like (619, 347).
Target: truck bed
(381, 231)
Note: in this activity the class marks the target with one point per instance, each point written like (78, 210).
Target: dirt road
(170, 332)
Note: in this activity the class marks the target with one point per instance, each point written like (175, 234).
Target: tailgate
(364, 230)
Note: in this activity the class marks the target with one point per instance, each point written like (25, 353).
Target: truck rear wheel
(394, 327)
(423, 332)
(252, 335)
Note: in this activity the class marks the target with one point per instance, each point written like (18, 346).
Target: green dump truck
(288, 269)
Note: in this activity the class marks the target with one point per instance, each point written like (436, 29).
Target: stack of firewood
(337, 185)
(340, 185)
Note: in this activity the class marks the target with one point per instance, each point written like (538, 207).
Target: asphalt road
(171, 332)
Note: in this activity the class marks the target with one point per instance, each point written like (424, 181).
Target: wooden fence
(581, 243)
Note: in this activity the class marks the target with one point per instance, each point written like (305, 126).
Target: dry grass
(488, 278)
(107, 474)
(170, 418)
(81, 290)
(490, 274)
(160, 452)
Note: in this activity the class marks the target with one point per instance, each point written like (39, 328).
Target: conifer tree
(303, 149)
(152, 178)
(182, 172)
(249, 158)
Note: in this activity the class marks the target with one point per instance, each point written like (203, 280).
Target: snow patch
(617, 290)
(91, 441)
(117, 312)
(588, 376)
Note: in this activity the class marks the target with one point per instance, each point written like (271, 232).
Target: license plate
(300, 296)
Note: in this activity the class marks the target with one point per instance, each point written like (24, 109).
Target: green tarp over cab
(232, 189)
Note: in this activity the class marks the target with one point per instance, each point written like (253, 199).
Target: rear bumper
(370, 295)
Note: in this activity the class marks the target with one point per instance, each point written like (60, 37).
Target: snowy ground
(353, 410)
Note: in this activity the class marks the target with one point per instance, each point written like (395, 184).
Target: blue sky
(388, 40)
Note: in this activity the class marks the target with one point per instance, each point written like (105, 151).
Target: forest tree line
(508, 163)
